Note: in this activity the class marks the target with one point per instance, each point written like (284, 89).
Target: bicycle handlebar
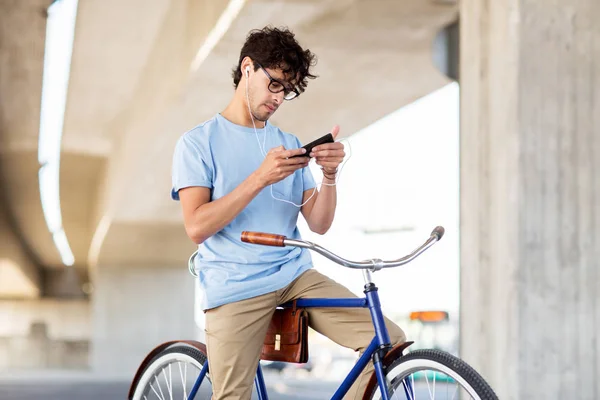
(268, 239)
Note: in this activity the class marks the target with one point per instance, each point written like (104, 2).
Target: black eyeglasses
(276, 86)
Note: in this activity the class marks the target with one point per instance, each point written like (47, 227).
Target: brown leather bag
(287, 337)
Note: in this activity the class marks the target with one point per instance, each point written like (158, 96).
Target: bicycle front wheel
(433, 374)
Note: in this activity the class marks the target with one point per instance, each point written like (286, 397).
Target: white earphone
(247, 70)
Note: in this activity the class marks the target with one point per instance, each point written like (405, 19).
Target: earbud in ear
(247, 70)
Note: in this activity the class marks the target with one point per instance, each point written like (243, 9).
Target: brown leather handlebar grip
(266, 239)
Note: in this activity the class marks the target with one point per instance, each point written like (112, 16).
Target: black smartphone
(324, 139)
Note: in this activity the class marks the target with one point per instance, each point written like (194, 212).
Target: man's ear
(246, 65)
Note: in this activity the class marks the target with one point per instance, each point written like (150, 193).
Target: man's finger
(328, 146)
(291, 168)
(328, 153)
(294, 152)
(277, 149)
(334, 131)
(330, 160)
(296, 160)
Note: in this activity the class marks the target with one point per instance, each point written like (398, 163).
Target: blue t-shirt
(219, 155)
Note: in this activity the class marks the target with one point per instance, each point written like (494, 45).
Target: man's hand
(279, 164)
(329, 155)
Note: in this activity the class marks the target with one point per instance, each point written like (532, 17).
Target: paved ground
(62, 387)
(62, 391)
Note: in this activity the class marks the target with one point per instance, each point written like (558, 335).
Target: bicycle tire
(177, 352)
(443, 362)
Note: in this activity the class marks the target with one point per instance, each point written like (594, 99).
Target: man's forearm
(323, 211)
(213, 216)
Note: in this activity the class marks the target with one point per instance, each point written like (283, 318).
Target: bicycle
(396, 374)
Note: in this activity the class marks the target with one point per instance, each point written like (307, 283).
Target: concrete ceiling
(133, 92)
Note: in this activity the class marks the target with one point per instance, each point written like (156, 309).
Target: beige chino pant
(235, 333)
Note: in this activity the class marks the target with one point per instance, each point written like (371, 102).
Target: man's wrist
(329, 173)
(256, 183)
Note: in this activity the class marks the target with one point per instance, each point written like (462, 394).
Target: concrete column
(134, 310)
(19, 273)
(530, 196)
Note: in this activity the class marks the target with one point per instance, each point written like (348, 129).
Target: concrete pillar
(135, 309)
(19, 273)
(530, 196)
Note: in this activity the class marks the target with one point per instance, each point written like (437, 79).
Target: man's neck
(237, 112)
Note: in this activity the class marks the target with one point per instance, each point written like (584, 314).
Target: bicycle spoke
(160, 387)
(428, 388)
(169, 387)
(160, 396)
(183, 380)
(410, 391)
(455, 392)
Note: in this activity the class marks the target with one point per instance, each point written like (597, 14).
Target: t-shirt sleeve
(308, 181)
(192, 163)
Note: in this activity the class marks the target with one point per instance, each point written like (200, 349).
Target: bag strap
(294, 307)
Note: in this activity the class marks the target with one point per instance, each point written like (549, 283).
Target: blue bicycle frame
(380, 343)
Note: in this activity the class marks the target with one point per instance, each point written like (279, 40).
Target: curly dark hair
(277, 48)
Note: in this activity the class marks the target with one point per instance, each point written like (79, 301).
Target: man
(237, 172)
